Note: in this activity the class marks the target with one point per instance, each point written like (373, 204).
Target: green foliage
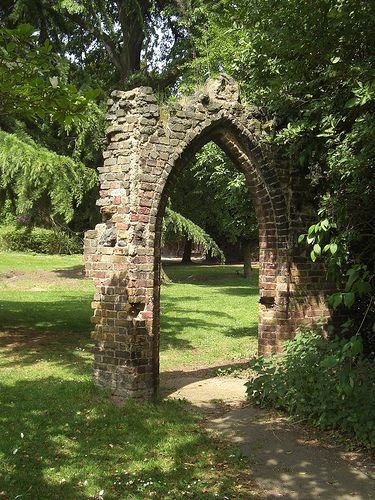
(229, 216)
(216, 31)
(121, 44)
(358, 286)
(327, 382)
(354, 280)
(175, 223)
(39, 108)
(86, 135)
(311, 64)
(30, 81)
(318, 237)
(37, 180)
(39, 240)
(231, 207)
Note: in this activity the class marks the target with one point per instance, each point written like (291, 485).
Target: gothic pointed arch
(148, 147)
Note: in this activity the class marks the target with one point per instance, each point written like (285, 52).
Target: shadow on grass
(210, 275)
(239, 291)
(172, 325)
(63, 439)
(64, 349)
(242, 332)
(67, 313)
(55, 328)
(75, 272)
(174, 320)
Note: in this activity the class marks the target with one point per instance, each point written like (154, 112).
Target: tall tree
(145, 40)
(33, 179)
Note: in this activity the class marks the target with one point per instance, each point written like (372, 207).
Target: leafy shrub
(327, 382)
(39, 240)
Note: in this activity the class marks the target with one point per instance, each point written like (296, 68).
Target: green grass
(32, 262)
(62, 438)
(209, 314)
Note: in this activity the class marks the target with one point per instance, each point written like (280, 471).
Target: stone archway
(147, 148)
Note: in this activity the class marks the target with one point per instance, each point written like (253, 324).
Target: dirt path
(288, 460)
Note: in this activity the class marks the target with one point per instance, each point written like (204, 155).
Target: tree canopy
(122, 43)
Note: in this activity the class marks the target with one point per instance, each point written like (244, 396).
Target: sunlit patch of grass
(62, 438)
(30, 262)
(208, 314)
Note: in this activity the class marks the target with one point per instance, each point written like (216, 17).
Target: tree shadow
(64, 439)
(174, 320)
(242, 332)
(290, 461)
(65, 314)
(239, 291)
(56, 331)
(205, 275)
(70, 350)
(74, 272)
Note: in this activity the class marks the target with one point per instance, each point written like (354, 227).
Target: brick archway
(147, 149)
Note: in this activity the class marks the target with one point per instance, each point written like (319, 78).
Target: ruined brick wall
(147, 149)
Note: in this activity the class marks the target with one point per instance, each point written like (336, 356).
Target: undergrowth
(38, 239)
(326, 382)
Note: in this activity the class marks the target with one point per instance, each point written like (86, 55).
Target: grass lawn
(62, 438)
(209, 315)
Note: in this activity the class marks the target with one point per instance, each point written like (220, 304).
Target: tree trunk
(164, 278)
(247, 248)
(186, 258)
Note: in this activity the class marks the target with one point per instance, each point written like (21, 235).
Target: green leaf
(329, 362)
(317, 249)
(313, 256)
(349, 299)
(352, 102)
(311, 230)
(362, 287)
(356, 345)
(353, 276)
(333, 248)
(335, 300)
(301, 237)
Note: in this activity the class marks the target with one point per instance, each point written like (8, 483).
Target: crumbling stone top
(223, 88)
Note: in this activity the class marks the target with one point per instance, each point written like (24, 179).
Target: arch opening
(272, 227)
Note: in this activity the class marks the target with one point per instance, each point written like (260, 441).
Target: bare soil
(40, 281)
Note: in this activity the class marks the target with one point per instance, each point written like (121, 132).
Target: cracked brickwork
(147, 148)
